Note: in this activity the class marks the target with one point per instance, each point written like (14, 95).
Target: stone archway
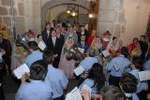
(53, 3)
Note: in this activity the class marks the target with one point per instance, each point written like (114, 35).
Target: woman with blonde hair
(97, 45)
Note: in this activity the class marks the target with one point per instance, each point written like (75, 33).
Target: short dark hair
(128, 83)
(137, 61)
(38, 70)
(48, 56)
(114, 38)
(91, 52)
(33, 45)
(124, 51)
(112, 93)
(39, 35)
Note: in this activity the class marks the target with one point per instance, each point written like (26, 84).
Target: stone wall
(125, 19)
(6, 16)
(111, 17)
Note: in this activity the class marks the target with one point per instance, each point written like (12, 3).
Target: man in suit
(5, 44)
(46, 32)
(82, 43)
(55, 43)
(72, 34)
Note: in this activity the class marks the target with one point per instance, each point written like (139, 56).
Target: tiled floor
(10, 87)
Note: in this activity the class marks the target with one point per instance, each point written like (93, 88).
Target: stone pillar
(111, 17)
(32, 13)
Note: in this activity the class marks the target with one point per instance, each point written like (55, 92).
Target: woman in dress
(113, 47)
(97, 45)
(136, 51)
(67, 65)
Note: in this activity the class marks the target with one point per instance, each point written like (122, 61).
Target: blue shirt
(134, 96)
(88, 62)
(141, 85)
(34, 56)
(118, 65)
(147, 65)
(34, 90)
(57, 79)
(90, 83)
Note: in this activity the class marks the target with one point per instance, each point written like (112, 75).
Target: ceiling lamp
(71, 10)
(68, 11)
(74, 13)
(91, 15)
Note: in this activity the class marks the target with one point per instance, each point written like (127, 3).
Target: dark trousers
(114, 80)
(59, 98)
(2, 97)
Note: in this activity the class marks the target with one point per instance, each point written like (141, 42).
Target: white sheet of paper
(144, 75)
(74, 95)
(81, 50)
(105, 53)
(86, 87)
(21, 70)
(79, 70)
(41, 45)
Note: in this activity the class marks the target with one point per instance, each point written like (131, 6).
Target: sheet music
(41, 45)
(79, 70)
(144, 75)
(21, 70)
(105, 53)
(74, 95)
(81, 50)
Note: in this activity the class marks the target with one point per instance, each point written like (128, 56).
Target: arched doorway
(67, 13)
(53, 3)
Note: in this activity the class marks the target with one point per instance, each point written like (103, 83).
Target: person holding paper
(143, 85)
(117, 66)
(95, 81)
(106, 93)
(34, 55)
(36, 89)
(55, 77)
(83, 43)
(40, 42)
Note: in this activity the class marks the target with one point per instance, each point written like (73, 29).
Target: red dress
(90, 39)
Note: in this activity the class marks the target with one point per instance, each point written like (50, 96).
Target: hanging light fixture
(68, 10)
(73, 13)
(71, 10)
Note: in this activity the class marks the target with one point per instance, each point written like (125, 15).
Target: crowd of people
(112, 77)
